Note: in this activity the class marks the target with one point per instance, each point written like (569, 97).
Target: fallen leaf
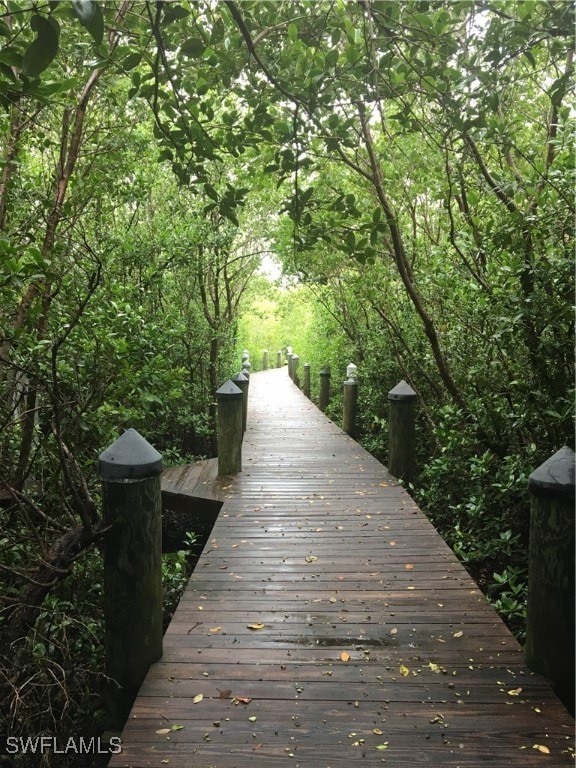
(253, 719)
(409, 567)
(177, 727)
(541, 748)
(311, 559)
(515, 692)
(382, 746)
(197, 699)
(255, 627)
(404, 671)
(410, 587)
(394, 631)
(458, 634)
(164, 731)
(241, 700)
(377, 731)
(225, 694)
(344, 656)
(215, 629)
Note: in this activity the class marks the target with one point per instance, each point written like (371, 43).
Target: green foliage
(176, 570)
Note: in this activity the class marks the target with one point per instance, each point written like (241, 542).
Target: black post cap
(402, 391)
(131, 457)
(228, 390)
(555, 475)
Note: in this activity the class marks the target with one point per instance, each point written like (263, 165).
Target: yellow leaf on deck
(197, 699)
(164, 731)
(458, 634)
(404, 671)
(541, 748)
(344, 656)
(215, 629)
(255, 627)
(515, 692)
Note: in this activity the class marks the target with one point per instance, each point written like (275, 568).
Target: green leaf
(173, 13)
(331, 58)
(90, 16)
(193, 47)
(292, 32)
(40, 53)
(12, 57)
(131, 61)
(210, 191)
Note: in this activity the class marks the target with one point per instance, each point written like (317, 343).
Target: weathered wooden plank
(323, 553)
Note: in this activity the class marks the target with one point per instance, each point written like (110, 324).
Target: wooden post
(289, 357)
(246, 367)
(242, 381)
(229, 398)
(306, 385)
(132, 504)
(350, 411)
(295, 363)
(324, 389)
(265, 360)
(402, 437)
(279, 359)
(549, 648)
(245, 355)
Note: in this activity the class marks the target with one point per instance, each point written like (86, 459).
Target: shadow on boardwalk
(327, 622)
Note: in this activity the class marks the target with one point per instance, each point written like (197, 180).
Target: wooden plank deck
(317, 556)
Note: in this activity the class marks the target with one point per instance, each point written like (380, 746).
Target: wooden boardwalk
(327, 622)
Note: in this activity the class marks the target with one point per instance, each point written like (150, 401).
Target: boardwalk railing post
(289, 356)
(246, 368)
(279, 359)
(245, 355)
(242, 381)
(230, 399)
(350, 411)
(306, 384)
(324, 389)
(295, 363)
(132, 505)
(402, 436)
(549, 647)
(265, 360)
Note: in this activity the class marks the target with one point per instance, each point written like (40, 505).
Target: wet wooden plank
(327, 618)
(199, 480)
